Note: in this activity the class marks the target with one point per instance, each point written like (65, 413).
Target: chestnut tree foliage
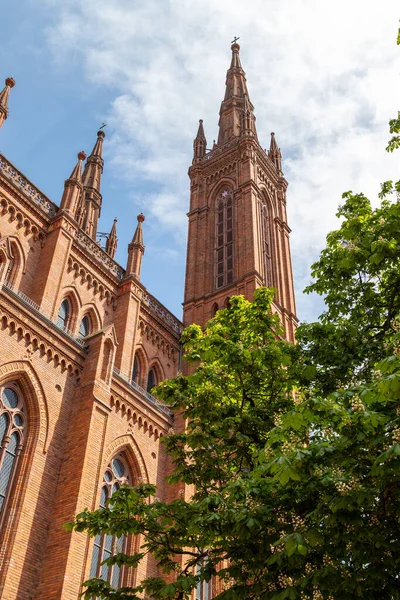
(292, 452)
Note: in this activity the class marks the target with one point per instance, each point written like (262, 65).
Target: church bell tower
(238, 236)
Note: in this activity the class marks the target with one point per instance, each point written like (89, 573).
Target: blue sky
(324, 76)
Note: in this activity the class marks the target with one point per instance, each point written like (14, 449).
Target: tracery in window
(84, 327)
(64, 314)
(224, 239)
(12, 426)
(267, 247)
(106, 545)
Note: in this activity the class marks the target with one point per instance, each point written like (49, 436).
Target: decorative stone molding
(128, 444)
(86, 277)
(23, 221)
(35, 343)
(23, 372)
(159, 340)
(96, 252)
(26, 187)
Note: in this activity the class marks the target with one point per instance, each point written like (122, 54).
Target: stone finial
(4, 95)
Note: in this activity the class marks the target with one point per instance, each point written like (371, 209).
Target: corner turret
(136, 250)
(199, 144)
(72, 195)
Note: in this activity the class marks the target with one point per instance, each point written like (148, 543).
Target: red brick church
(84, 342)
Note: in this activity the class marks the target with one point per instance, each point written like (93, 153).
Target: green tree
(293, 452)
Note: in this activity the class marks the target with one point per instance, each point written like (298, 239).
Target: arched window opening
(64, 315)
(106, 545)
(13, 265)
(214, 309)
(136, 370)
(267, 246)
(84, 327)
(224, 239)
(151, 380)
(12, 425)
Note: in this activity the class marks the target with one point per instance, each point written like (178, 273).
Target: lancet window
(136, 370)
(84, 327)
(106, 545)
(151, 380)
(267, 245)
(64, 315)
(224, 238)
(12, 430)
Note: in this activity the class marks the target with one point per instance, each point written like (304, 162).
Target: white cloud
(322, 75)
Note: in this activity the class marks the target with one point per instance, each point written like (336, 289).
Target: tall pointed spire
(236, 113)
(200, 143)
(136, 250)
(4, 95)
(73, 188)
(275, 154)
(91, 182)
(112, 240)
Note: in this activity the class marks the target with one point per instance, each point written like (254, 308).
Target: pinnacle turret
(200, 143)
(4, 95)
(92, 182)
(275, 153)
(136, 250)
(112, 240)
(72, 195)
(236, 113)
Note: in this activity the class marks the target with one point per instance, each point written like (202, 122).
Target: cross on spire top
(235, 39)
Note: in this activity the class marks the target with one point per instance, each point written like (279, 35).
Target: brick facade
(84, 396)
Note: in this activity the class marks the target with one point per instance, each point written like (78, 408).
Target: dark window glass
(266, 228)
(84, 327)
(11, 438)
(10, 398)
(63, 315)
(224, 239)
(106, 545)
(151, 380)
(135, 370)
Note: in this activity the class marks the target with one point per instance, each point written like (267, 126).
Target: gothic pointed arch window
(266, 244)
(151, 379)
(106, 545)
(135, 369)
(14, 265)
(64, 314)
(84, 327)
(224, 239)
(12, 433)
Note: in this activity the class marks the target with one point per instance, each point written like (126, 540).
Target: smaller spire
(94, 164)
(275, 154)
(199, 144)
(91, 183)
(4, 95)
(136, 250)
(72, 195)
(112, 240)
